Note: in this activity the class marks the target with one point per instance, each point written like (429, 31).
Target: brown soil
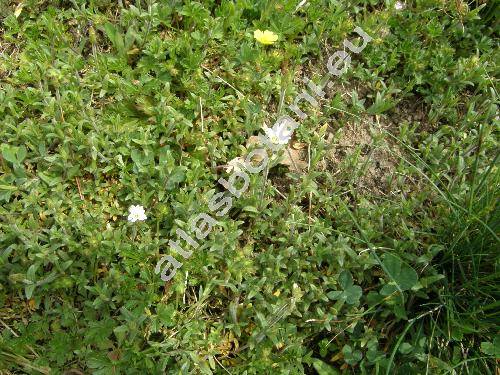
(366, 151)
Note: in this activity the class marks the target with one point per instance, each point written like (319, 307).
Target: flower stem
(266, 172)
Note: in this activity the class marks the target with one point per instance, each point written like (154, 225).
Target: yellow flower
(265, 37)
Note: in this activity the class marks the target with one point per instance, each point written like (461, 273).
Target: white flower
(136, 213)
(399, 5)
(279, 134)
(235, 165)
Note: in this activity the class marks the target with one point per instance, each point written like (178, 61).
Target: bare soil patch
(363, 152)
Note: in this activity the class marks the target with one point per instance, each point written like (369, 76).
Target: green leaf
(121, 332)
(351, 357)
(426, 281)
(334, 294)
(380, 105)
(136, 157)
(353, 294)
(345, 279)
(389, 288)
(407, 278)
(492, 348)
(9, 153)
(51, 181)
(28, 290)
(30, 275)
(323, 369)
(405, 348)
(21, 154)
(8, 188)
(97, 361)
(402, 274)
(250, 209)
(166, 315)
(115, 36)
(177, 176)
(392, 265)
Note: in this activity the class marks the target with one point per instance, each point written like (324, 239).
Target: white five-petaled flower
(399, 5)
(136, 213)
(235, 164)
(278, 134)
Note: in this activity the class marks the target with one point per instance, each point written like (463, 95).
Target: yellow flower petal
(265, 37)
(257, 34)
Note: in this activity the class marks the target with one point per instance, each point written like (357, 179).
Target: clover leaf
(350, 294)
(403, 277)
